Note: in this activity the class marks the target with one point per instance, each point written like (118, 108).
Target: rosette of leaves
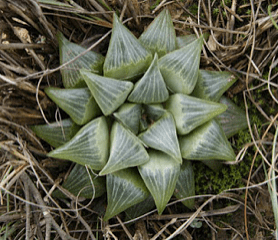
(144, 111)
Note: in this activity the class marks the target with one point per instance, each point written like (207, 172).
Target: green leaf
(212, 84)
(57, 133)
(151, 88)
(108, 92)
(143, 125)
(214, 165)
(180, 68)
(160, 175)
(126, 150)
(88, 147)
(81, 184)
(70, 73)
(78, 103)
(183, 41)
(126, 58)
(233, 119)
(160, 36)
(186, 184)
(129, 115)
(125, 188)
(207, 142)
(140, 208)
(162, 135)
(190, 112)
(154, 111)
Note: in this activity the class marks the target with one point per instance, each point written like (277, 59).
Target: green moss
(194, 9)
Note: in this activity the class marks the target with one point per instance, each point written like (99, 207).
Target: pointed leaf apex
(160, 36)
(151, 88)
(126, 58)
(180, 68)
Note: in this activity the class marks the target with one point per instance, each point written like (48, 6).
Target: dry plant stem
(81, 219)
(164, 228)
(49, 71)
(125, 229)
(253, 161)
(272, 184)
(100, 9)
(192, 217)
(32, 52)
(28, 212)
(48, 217)
(21, 46)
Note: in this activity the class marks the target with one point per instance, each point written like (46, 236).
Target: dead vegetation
(242, 39)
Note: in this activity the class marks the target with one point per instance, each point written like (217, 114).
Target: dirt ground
(243, 39)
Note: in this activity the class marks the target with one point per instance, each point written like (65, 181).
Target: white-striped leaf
(78, 103)
(126, 58)
(140, 208)
(88, 147)
(186, 184)
(81, 184)
(160, 175)
(183, 41)
(160, 36)
(212, 84)
(108, 92)
(207, 142)
(91, 61)
(124, 189)
(151, 88)
(180, 68)
(154, 111)
(57, 133)
(162, 135)
(233, 119)
(190, 112)
(129, 115)
(126, 150)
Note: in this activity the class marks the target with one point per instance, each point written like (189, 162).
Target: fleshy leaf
(212, 84)
(126, 58)
(183, 41)
(91, 61)
(88, 147)
(214, 165)
(108, 92)
(129, 115)
(233, 119)
(140, 208)
(80, 184)
(151, 88)
(125, 188)
(126, 150)
(160, 175)
(160, 35)
(180, 68)
(207, 142)
(154, 111)
(57, 133)
(143, 125)
(78, 103)
(186, 184)
(162, 135)
(190, 112)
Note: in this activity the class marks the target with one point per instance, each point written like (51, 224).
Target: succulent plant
(138, 116)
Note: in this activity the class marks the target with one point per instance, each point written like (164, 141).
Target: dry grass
(242, 39)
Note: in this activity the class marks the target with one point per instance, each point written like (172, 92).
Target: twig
(28, 212)
(46, 213)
